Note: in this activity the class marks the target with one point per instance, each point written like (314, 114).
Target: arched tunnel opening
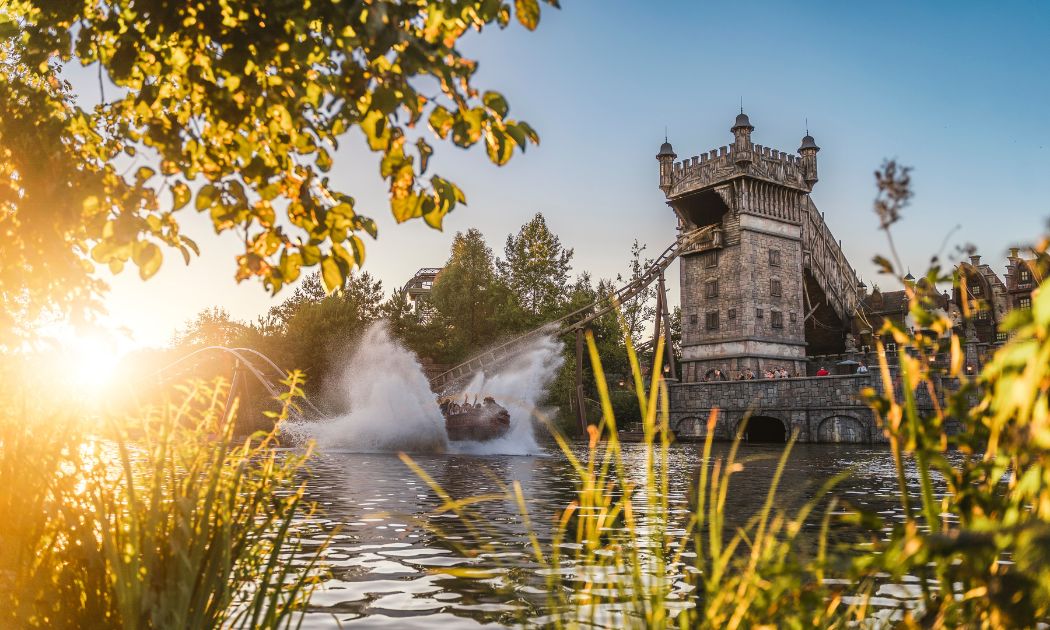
(765, 429)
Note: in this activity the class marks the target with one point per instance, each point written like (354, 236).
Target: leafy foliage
(235, 109)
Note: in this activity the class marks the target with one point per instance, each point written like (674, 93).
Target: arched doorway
(765, 429)
(841, 430)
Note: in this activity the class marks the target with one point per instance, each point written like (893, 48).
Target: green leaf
(206, 197)
(148, 258)
(180, 194)
(425, 151)
(528, 13)
(144, 173)
(330, 273)
(358, 248)
(441, 122)
(324, 161)
(496, 102)
(1041, 305)
(376, 130)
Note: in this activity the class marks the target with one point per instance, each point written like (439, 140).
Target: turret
(666, 158)
(808, 151)
(742, 144)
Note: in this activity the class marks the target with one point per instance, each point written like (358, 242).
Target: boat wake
(392, 408)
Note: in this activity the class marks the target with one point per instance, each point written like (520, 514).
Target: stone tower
(769, 272)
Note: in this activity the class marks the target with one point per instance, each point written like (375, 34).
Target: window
(975, 289)
(1024, 277)
(692, 320)
(776, 319)
(982, 313)
(732, 314)
(891, 348)
(774, 258)
(1000, 336)
(1024, 302)
(794, 318)
(759, 313)
(712, 320)
(710, 258)
(774, 287)
(711, 288)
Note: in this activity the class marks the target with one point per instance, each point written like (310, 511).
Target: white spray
(392, 408)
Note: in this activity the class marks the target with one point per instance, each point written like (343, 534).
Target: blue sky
(957, 90)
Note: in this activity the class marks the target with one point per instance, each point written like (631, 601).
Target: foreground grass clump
(166, 522)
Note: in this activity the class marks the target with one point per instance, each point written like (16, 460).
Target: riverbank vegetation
(162, 519)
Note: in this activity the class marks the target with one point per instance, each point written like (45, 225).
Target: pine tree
(536, 268)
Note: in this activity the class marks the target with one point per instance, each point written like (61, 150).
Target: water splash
(393, 409)
(391, 405)
(520, 385)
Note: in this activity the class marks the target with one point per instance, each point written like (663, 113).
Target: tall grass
(164, 520)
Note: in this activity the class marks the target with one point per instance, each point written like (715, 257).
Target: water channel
(383, 559)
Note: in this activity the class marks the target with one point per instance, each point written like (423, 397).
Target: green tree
(536, 268)
(471, 303)
(640, 310)
(318, 333)
(210, 327)
(233, 108)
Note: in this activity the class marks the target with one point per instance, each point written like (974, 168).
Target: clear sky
(958, 90)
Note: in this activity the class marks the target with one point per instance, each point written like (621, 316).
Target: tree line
(477, 300)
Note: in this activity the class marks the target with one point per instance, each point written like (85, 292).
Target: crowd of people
(770, 373)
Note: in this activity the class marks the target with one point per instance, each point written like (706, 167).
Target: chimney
(975, 260)
(1014, 251)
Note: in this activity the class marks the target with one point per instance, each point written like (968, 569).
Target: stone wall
(820, 409)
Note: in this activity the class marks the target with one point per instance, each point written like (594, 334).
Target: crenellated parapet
(721, 164)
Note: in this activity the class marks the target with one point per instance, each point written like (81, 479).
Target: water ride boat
(473, 422)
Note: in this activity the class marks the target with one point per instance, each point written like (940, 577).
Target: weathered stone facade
(819, 409)
(747, 291)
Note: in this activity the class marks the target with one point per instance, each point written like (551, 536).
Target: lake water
(384, 556)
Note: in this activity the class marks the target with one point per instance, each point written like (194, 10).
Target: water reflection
(388, 568)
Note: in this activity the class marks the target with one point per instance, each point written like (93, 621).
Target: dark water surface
(385, 560)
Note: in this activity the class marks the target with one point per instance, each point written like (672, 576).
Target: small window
(774, 258)
(774, 287)
(1000, 336)
(711, 288)
(776, 319)
(794, 317)
(692, 320)
(1024, 302)
(982, 313)
(710, 258)
(732, 314)
(712, 320)
(891, 348)
(975, 289)
(759, 313)
(1025, 276)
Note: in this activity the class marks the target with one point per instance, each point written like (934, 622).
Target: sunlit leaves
(237, 108)
(528, 13)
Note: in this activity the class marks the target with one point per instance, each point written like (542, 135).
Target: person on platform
(822, 371)
(749, 375)
(862, 369)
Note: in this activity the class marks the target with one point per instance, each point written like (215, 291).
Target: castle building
(771, 284)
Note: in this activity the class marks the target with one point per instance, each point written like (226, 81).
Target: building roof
(808, 143)
(665, 149)
(742, 121)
